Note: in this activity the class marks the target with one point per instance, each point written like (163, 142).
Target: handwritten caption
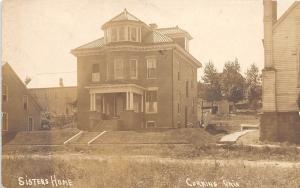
(52, 181)
(203, 183)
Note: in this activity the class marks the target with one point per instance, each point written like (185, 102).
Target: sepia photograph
(150, 93)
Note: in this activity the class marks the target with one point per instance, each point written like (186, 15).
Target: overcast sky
(39, 34)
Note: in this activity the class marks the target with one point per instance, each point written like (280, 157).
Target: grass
(187, 135)
(43, 137)
(124, 172)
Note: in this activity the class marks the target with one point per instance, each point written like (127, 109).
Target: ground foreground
(82, 170)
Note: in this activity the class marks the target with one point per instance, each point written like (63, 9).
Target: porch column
(142, 102)
(127, 101)
(92, 102)
(103, 104)
(131, 101)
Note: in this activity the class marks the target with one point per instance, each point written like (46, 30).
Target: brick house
(20, 112)
(136, 76)
(281, 75)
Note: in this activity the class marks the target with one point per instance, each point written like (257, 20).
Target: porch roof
(116, 88)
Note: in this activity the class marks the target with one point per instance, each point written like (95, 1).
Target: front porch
(116, 106)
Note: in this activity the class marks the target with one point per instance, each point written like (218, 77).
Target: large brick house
(20, 112)
(281, 75)
(136, 76)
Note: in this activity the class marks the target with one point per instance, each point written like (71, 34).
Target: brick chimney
(61, 82)
(270, 18)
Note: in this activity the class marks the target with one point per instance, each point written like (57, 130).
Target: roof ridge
(285, 14)
(102, 38)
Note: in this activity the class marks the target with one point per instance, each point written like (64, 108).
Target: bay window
(118, 65)
(123, 33)
(133, 68)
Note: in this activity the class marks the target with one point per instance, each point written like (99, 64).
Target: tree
(211, 87)
(254, 88)
(233, 82)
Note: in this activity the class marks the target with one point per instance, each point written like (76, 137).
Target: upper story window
(114, 34)
(118, 67)
(25, 102)
(123, 33)
(4, 93)
(151, 68)
(95, 73)
(133, 68)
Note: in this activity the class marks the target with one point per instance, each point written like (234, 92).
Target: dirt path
(147, 159)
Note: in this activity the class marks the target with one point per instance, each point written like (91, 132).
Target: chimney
(270, 17)
(61, 82)
(153, 25)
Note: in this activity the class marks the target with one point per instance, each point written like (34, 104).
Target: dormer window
(123, 33)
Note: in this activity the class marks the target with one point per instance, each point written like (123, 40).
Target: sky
(38, 35)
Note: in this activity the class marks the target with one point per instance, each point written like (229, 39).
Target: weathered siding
(17, 115)
(286, 40)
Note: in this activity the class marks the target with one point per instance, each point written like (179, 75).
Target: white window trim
(150, 122)
(115, 76)
(136, 70)
(151, 58)
(5, 122)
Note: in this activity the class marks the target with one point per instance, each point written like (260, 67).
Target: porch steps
(84, 138)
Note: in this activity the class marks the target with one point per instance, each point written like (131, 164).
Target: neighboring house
(57, 100)
(281, 75)
(20, 112)
(137, 76)
(222, 107)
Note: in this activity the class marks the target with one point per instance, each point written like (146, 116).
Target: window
(133, 34)
(151, 68)
(4, 121)
(151, 124)
(133, 68)
(179, 102)
(121, 33)
(151, 101)
(4, 92)
(30, 123)
(25, 102)
(187, 88)
(95, 73)
(114, 34)
(118, 64)
(178, 107)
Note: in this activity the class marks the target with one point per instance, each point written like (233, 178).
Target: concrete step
(84, 138)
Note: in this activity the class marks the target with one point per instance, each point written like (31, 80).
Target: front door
(119, 105)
